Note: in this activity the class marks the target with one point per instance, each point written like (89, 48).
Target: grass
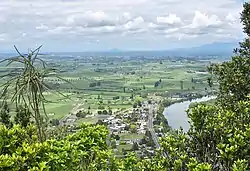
(91, 120)
(114, 77)
(59, 109)
(209, 102)
(125, 147)
(131, 136)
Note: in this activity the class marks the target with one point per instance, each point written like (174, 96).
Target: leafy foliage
(219, 137)
(28, 84)
(22, 116)
(5, 115)
(20, 149)
(233, 76)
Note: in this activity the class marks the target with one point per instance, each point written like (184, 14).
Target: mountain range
(215, 49)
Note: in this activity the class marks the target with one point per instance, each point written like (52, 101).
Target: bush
(20, 149)
(105, 112)
(81, 114)
(116, 98)
(92, 84)
(101, 107)
(54, 122)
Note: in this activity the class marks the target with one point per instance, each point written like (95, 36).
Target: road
(74, 110)
(151, 128)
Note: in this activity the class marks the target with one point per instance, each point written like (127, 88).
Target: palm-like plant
(27, 84)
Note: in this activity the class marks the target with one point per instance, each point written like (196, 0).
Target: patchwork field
(100, 83)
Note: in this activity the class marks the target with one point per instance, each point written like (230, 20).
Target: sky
(100, 25)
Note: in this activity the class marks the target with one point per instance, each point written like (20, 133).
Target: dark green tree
(5, 115)
(182, 85)
(113, 144)
(210, 82)
(135, 146)
(23, 116)
(54, 122)
(233, 76)
(110, 110)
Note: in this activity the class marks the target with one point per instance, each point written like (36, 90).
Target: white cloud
(42, 27)
(90, 19)
(29, 21)
(171, 19)
(136, 23)
(230, 17)
(2, 37)
(201, 20)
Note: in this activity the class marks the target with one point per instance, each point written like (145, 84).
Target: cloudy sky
(86, 25)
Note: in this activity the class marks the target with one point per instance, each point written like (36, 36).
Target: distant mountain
(215, 49)
(115, 50)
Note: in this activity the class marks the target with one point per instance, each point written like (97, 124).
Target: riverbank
(175, 112)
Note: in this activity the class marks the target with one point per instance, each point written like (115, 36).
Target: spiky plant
(27, 84)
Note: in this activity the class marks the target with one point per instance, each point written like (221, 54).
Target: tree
(55, 122)
(117, 137)
(219, 135)
(98, 83)
(233, 76)
(110, 110)
(210, 82)
(132, 96)
(28, 84)
(101, 107)
(104, 112)
(113, 144)
(181, 85)
(157, 83)
(22, 116)
(5, 115)
(135, 146)
(132, 128)
(99, 97)
(92, 84)
(100, 122)
(20, 150)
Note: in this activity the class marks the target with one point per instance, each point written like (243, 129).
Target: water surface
(177, 116)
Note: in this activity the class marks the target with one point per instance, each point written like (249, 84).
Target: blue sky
(89, 25)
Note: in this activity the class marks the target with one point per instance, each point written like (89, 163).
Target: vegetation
(219, 137)
(27, 84)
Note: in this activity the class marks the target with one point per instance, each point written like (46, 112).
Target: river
(177, 116)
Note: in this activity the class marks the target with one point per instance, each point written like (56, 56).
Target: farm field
(102, 83)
